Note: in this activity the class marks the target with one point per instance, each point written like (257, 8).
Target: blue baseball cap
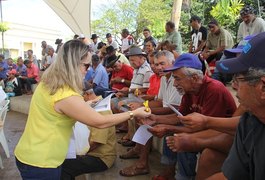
(252, 55)
(232, 52)
(186, 60)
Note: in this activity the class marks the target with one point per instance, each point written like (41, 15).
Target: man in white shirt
(111, 42)
(251, 24)
(94, 44)
(51, 57)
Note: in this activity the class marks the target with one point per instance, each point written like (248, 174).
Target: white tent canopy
(75, 13)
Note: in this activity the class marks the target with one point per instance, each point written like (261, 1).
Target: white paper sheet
(174, 109)
(142, 135)
(104, 104)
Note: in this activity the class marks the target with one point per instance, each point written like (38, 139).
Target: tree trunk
(176, 12)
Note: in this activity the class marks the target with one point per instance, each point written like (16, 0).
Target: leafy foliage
(227, 11)
(4, 27)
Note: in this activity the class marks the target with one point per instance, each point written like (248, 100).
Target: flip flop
(133, 171)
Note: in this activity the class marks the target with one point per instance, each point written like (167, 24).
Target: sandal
(123, 139)
(133, 171)
(128, 143)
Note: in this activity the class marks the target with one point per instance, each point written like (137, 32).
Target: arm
(76, 108)
(202, 44)
(197, 122)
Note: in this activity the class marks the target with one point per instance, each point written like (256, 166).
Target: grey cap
(135, 50)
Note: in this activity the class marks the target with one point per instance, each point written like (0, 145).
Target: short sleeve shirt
(246, 157)
(224, 38)
(174, 38)
(100, 76)
(141, 76)
(126, 73)
(168, 93)
(213, 99)
(255, 27)
(154, 85)
(197, 36)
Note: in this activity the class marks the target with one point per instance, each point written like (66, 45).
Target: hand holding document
(173, 109)
(142, 135)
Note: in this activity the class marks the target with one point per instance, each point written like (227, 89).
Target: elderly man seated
(32, 76)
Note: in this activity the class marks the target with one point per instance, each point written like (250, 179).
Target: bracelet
(131, 115)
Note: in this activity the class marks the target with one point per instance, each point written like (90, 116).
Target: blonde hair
(65, 70)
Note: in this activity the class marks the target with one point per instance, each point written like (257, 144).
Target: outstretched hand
(159, 130)
(194, 121)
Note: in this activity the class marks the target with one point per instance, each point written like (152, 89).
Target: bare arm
(76, 108)
(196, 122)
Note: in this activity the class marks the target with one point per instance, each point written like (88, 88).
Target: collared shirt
(212, 99)
(94, 47)
(126, 73)
(224, 38)
(22, 70)
(154, 85)
(174, 38)
(114, 44)
(168, 93)
(51, 59)
(33, 71)
(100, 76)
(126, 43)
(255, 27)
(141, 76)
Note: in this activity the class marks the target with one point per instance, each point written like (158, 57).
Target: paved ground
(14, 127)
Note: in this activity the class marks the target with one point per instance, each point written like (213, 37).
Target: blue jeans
(187, 164)
(29, 172)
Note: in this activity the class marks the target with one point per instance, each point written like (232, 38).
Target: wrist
(131, 114)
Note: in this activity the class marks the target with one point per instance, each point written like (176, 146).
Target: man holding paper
(200, 94)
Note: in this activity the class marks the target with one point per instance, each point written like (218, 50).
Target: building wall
(19, 38)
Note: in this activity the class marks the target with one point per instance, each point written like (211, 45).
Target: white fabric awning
(75, 13)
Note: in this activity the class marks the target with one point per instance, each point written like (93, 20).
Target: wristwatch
(131, 115)
(123, 80)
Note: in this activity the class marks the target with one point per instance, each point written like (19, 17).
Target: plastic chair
(3, 111)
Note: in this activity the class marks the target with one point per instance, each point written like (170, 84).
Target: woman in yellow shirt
(55, 106)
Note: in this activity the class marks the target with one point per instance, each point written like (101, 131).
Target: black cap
(112, 60)
(94, 36)
(108, 35)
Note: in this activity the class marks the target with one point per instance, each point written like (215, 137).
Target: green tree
(154, 14)
(227, 11)
(115, 17)
(3, 28)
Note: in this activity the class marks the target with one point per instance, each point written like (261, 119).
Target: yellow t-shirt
(107, 150)
(45, 140)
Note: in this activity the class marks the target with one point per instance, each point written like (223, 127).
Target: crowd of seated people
(197, 140)
(163, 74)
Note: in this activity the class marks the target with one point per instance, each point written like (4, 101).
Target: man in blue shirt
(100, 79)
(3, 67)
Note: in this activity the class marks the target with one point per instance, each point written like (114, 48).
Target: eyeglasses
(210, 27)
(237, 79)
